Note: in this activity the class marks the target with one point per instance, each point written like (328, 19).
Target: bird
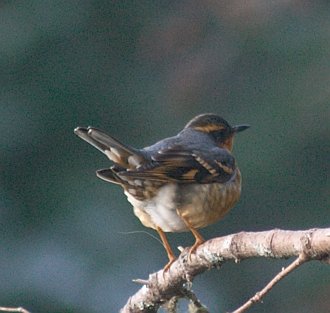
(180, 183)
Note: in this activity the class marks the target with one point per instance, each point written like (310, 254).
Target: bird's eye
(219, 133)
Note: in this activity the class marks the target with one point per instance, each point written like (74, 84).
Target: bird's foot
(198, 242)
(168, 265)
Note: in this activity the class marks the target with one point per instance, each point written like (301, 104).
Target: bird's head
(216, 127)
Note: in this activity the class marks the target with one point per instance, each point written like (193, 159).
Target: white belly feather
(160, 211)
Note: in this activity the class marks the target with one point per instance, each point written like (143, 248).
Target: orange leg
(170, 254)
(198, 237)
(199, 240)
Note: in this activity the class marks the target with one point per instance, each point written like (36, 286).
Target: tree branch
(259, 295)
(313, 244)
(13, 310)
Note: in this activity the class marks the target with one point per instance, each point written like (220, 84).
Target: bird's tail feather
(109, 175)
(117, 152)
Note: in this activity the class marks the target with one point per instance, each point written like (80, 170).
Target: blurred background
(140, 70)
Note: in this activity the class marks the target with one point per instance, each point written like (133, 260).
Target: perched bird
(181, 183)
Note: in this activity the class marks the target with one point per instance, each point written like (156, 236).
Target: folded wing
(178, 165)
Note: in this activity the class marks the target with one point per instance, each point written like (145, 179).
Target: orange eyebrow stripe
(209, 128)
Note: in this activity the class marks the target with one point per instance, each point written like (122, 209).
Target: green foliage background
(140, 70)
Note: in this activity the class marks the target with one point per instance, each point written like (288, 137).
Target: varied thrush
(181, 183)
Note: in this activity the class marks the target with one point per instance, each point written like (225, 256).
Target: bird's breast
(199, 204)
(205, 204)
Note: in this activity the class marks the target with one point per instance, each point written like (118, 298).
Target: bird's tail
(109, 175)
(122, 155)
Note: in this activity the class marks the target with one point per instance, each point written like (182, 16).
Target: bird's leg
(198, 237)
(170, 254)
(198, 240)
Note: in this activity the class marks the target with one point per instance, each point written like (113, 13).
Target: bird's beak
(240, 128)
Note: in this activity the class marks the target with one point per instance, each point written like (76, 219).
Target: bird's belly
(161, 210)
(198, 204)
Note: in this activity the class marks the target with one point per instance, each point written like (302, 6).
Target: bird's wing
(176, 164)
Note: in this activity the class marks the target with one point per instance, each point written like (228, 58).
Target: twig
(140, 281)
(259, 295)
(172, 305)
(14, 310)
(195, 305)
